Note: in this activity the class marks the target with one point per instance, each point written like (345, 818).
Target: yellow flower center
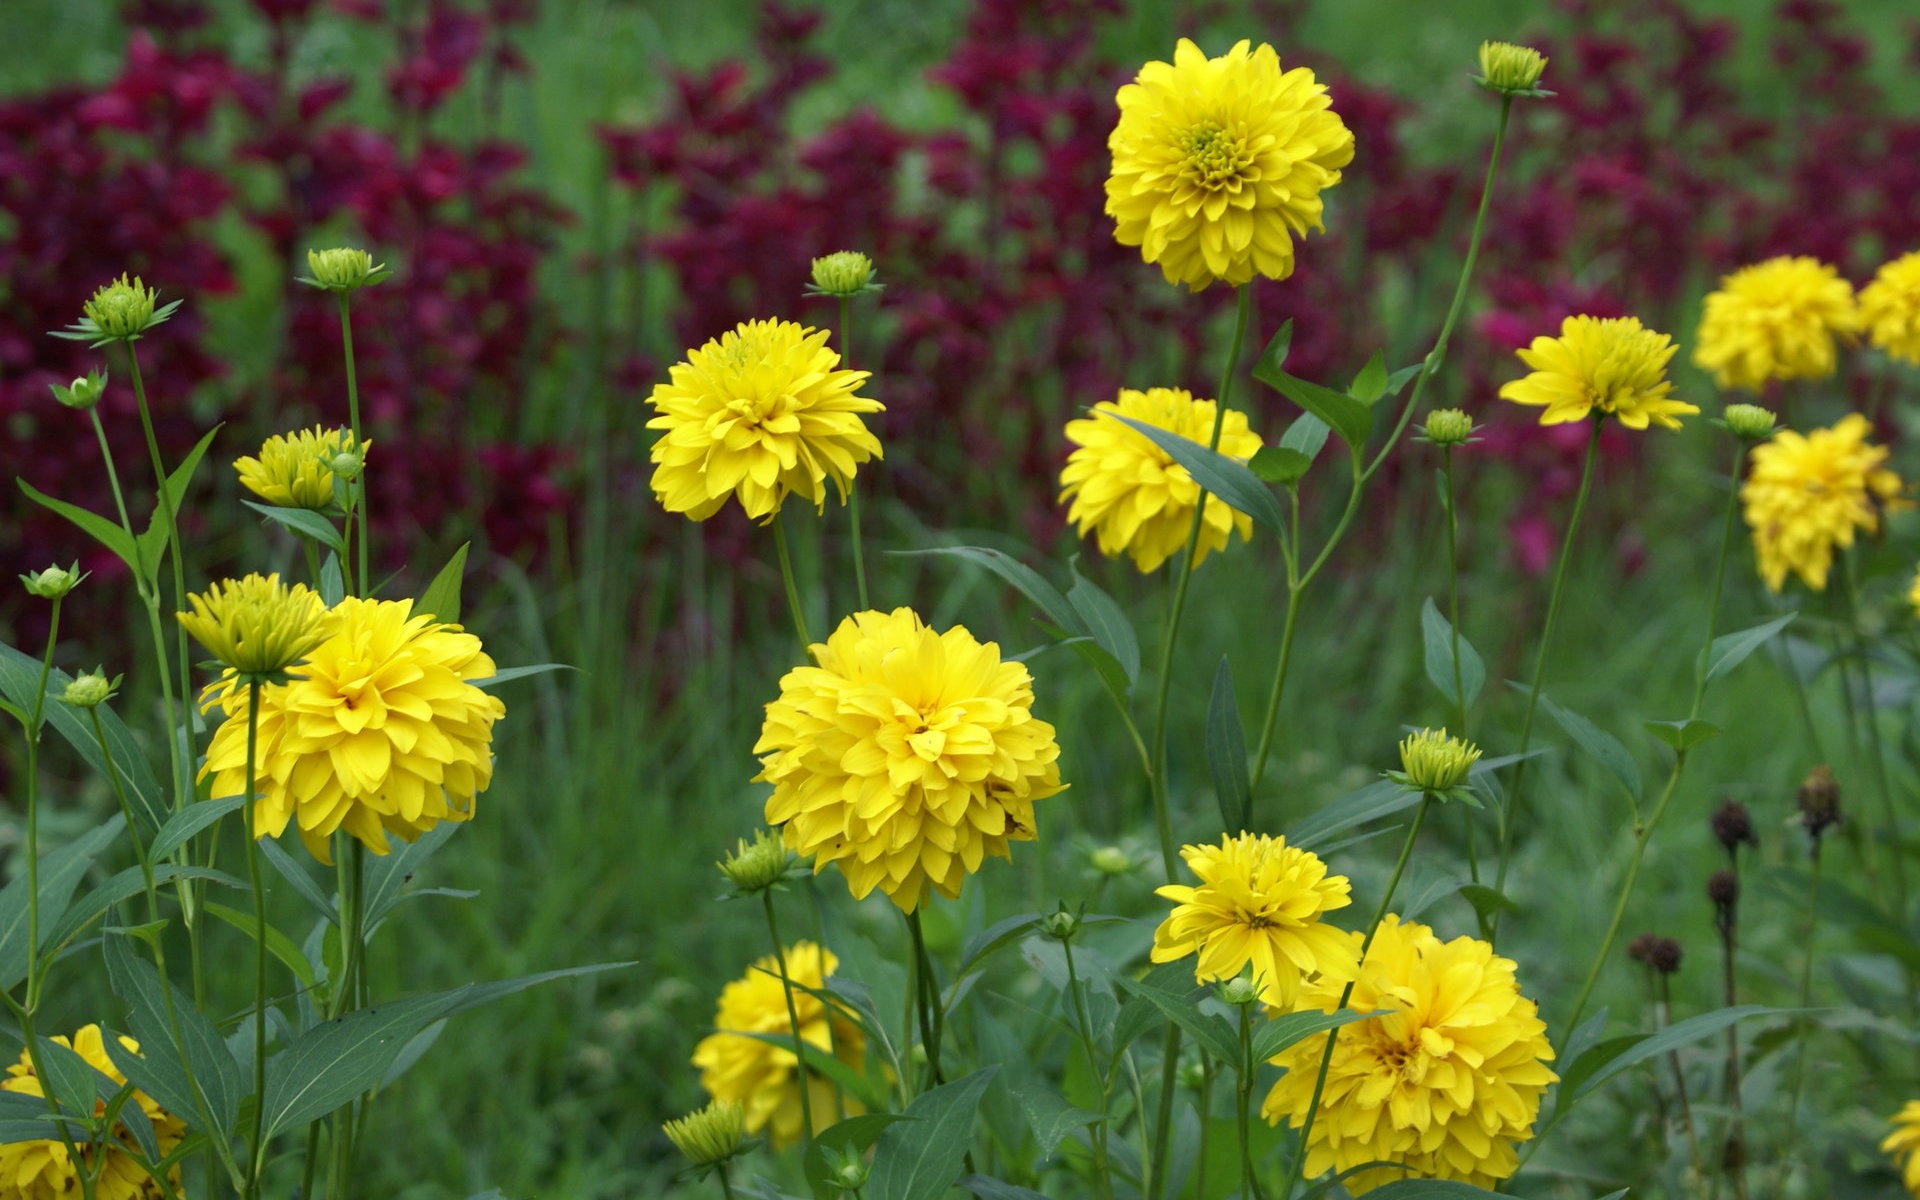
(1215, 159)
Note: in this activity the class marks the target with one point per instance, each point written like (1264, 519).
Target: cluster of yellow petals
(906, 756)
(1613, 364)
(1776, 320)
(44, 1170)
(1131, 495)
(380, 732)
(1807, 495)
(762, 1077)
(1904, 1145)
(1259, 902)
(1445, 1083)
(1218, 163)
(296, 470)
(1890, 308)
(758, 414)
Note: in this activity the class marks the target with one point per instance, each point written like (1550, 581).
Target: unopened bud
(88, 690)
(845, 273)
(342, 269)
(1238, 992)
(1060, 926)
(710, 1136)
(54, 582)
(84, 392)
(1448, 427)
(1112, 860)
(755, 866)
(847, 1168)
(1434, 763)
(1511, 70)
(1748, 421)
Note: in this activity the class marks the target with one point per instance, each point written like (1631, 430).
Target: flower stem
(35, 717)
(793, 588)
(931, 1017)
(1243, 1102)
(1876, 749)
(800, 1069)
(183, 787)
(1719, 577)
(1805, 994)
(853, 485)
(353, 423)
(258, 1158)
(1510, 812)
(1103, 1172)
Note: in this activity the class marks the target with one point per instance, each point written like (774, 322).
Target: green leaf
(1349, 418)
(1307, 434)
(1683, 735)
(997, 1189)
(1278, 347)
(60, 873)
(92, 524)
(994, 938)
(117, 890)
(820, 1062)
(1402, 377)
(489, 682)
(441, 600)
(1438, 634)
(181, 826)
(1138, 1014)
(1280, 464)
(1608, 1059)
(1281, 1032)
(1105, 621)
(1210, 1030)
(854, 1133)
(1729, 650)
(1486, 901)
(153, 542)
(1595, 741)
(1220, 474)
(1027, 581)
(387, 874)
(75, 1084)
(1371, 383)
(918, 1159)
(278, 944)
(333, 584)
(332, 1063)
(1050, 1117)
(295, 874)
(20, 675)
(196, 1078)
(304, 522)
(1227, 751)
(1381, 798)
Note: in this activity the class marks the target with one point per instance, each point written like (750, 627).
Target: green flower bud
(1112, 860)
(1238, 992)
(847, 1168)
(754, 867)
(846, 273)
(54, 582)
(342, 269)
(1511, 70)
(1748, 422)
(710, 1136)
(1434, 763)
(84, 392)
(346, 464)
(1060, 926)
(118, 312)
(89, 690)
(1448, 427)
(1192, 1075)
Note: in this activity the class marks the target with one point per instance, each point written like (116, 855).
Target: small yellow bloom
(762, 1077)
(756, 415)
(843, 273)
(1510, 69)
(1432, 762)
(1614, 364)
(257, 625)
(1131, 495)
(1779, 319)
(1218, 163)
(43, 1170)
(1806, 495)
(295, 470)
(1260, 901)
(343, 269)
(906, 757)
(1890, 308)
(710, 1136)
(1444, 1082)
(1904, 1145)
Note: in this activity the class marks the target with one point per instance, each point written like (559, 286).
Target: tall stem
(1719, 576)
(1876, 749)
(1805, 994)
(793, 587)
(1734, 1155)
(1510, 812)
(800, 1069)
(1290, 624)
(932, 1019)
(853, 486)
(1103, 1173)
(258, 1159)
(183, 787)
(353, 423)
(1243, 1102)
(35, 717)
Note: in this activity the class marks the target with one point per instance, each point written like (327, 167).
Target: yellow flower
(1431, 761)
(1904, 1145)
(1614, 364)
(1260, 901)
(710, 1136)
(757, 414)
(1890, 308)
(1510, 69)
(295, 470)
(761, 1076)
(1445, 1083)
(257, 625)
(1775, 320)
(378, 732)
(907, 756)
(1130, 493)
(43, 1170)
(1806, 495)
(1218, 163)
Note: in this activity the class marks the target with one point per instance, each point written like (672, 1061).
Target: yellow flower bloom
(1431, 761)
(1614, 364)
(295, 470)
(710, 1136)
(256, 625)
(43, 1170)
(906, 756)
(1130, 493)
(378, 732)
(760, 1076)
(1775, 320)
(1890, 308)
(1218, 163)
(1904, 1145)
(1807, 494)
(1446, 1083)
(1260, 901)
(757, 414)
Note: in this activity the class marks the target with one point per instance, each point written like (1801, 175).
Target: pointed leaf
(919, 1158)
(304, 522)
(1683, 735)
(195, 1078)
(1104, 619)
(387, 874)
(1227, 751)
(60, 873)
(181, 826)
(1222, 475)
(1307, 434)
(441, 600)
(1349, 418)
(489, 682)
(153, 542)
(20, 675)
(1027, 581)
(1729, 650)
(1280, 464)
(1438, 635)
(1371, 383)
(1595, 741)
(1608, 1059)
(1281, 1032)
(1210, 1030)
(854, 1133)
(92, 524)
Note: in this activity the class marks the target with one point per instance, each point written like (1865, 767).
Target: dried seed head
(1733, 826)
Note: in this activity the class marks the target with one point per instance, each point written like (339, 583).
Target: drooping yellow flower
(761, 1076)
(1614, 364)
(907, 756)
(1260, 901)
(1446, 1083)
(1131, 495)
(1890, 308)
(379, 732)
(257, 625)
(1807, 494)
(1775, 320)
(1218, 163)
(296, 470)
(758, 414)
(43, 1170)
(1904, 1145)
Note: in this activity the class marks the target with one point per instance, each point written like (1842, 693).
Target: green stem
(1510, 812)
(1346, 993)
(800, 1069)
(258, 1158)
(36, 716)
(1453, 591)
(1103, 1173)
(793, 587)
(1805, 997)
(1719, 576)
(853, 486)
(24, 1016)
(353, 423)
(1243, 1102)
(1269, 723)
(932, 1020)
(726, 1188)
(183, 787)
(1876, 748)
